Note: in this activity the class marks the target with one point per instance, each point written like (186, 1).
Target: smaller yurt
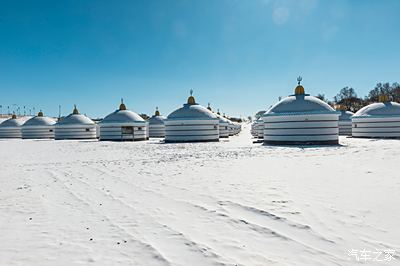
(123, 125)
(253, 129)
(38, 127)
(377, 120)
(191, 123)
(259, 127)
(344, 121)
(11, 128)
(157, 125)
(75, 126)
(223, 124)
(301, 119)
(231, 128)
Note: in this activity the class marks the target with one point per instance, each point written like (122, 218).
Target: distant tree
(347, 98)
(321, 97)
(144, 116)
(393, 91)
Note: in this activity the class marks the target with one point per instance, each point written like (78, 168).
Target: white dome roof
(380, 109)
(300, 103)
(40, 121)
(156, 120)
(192, 111)
(345, 115)
(12, 122)
(122, 116)
(222, 119)
(75, 119)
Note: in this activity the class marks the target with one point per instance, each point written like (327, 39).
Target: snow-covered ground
(232, 202)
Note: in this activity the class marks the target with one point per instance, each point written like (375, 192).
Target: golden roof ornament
(75, 111)
(13, 116)
(299, 90)
(191, 99)
(383, 98)
(40, 114)
(122, 106)
(157, 113)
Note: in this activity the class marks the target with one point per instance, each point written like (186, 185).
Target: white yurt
(253, 129)
(301, 119)
(344, 121)
(124, 125)
(191, 123)
(11, 128)
(377, 120)
(259, 128)
(75, 126)
(157, 125)
(223, 124)
(38, 127)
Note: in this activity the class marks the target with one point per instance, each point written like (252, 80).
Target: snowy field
(226, 203)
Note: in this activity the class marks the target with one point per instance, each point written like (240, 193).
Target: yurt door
(127, 133)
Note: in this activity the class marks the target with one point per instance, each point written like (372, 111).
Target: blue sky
(240, 55)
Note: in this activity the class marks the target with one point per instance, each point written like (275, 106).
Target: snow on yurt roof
(221, 118)
(76, 119)
(12, 122)
(192, 110)
(157, 118)
(299, 103)
(39, 120)
(344, 115)
(383, 108)
(122, 115)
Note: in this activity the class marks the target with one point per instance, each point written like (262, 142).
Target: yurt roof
(12, 122)
(157, 118)
(122, 115)
(192, 110)
(222, 119)
(299, 103)
(345, 115)
(76, 119)
(40, 120)
(379, 109)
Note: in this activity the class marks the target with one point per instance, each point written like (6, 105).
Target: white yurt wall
(11, 128)
(123, 125)
(157, 125)
(377, 120)
(38, 127)
(75, 126)
(191, 123)
(301, 119)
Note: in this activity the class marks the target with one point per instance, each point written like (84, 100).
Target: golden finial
(75, 111)
(299, 90)
(13, 116)
(40, 114)
(157, 113)
(383, 98)
(191, 99)
(122, 106)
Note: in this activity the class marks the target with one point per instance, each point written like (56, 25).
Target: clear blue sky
(240, 55)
